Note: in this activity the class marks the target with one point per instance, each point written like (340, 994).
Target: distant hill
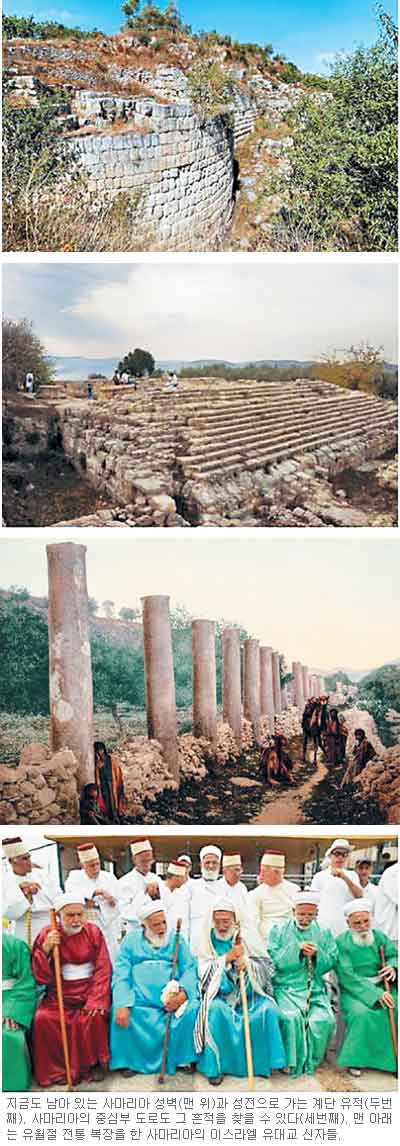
(77, 369)
(356, 675)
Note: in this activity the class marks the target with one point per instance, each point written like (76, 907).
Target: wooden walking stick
(246, 1024)
(307, 1008)
(161, 1077)
(60, 1002)
(390, 1012)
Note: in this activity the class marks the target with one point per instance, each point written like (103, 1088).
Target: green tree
(138, 362)
(22, 352)
(118, 674)
(379, 692)
(344, 159)
(127, 614)
(24, 687)
(35, 156)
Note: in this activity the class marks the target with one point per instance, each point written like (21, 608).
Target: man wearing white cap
(86, 978)
(146, 988)
(387, 902)
(177, 888)
(231, 884)
(363, 867)
(219, 1032)
(335, 884)
(99, 890)
(28, 891)
(272, 901)
(187, 861)
(139, 882)
(366, 967)
(302, 952)
(204, 891)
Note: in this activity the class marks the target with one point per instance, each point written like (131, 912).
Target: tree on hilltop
(137, 362)
(22, 352)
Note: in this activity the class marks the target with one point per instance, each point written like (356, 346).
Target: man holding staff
(302, 952)
(220, 1032)
(86, 976)
(147, 987)
(28, 891)
(367, 973)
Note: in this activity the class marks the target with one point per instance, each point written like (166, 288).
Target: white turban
(149, 907)
(67, 899)
(357, 905)
(223, 903)
(210, 850)
(307, 897)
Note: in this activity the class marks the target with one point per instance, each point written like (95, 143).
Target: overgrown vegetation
(137, 363)
(361, 367)
(209, 89)
(118, 668)
(343, 187)
(23, 352)
(379, 692)
(27, 28)
(35, 158)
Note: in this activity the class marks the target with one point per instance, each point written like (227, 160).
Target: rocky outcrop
(380, 781)
(42, 789)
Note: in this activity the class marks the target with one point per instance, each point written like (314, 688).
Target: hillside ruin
(300, 453)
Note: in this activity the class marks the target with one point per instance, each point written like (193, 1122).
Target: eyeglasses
(342, 854)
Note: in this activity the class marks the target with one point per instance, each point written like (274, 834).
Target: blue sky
(309, 32)
(276, 587)
(205, 309)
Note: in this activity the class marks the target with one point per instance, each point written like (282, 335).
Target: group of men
(326, 729)
(197, 960)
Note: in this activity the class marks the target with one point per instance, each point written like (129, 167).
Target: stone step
(278, 420)
(281, 450)
(270, 437)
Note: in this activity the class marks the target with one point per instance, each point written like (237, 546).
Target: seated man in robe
(219, 1031)
(86, 978)
(147, 987)
(19, 1002)
(365, 999)
(302, 952)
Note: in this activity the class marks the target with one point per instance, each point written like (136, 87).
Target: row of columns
(71, 699)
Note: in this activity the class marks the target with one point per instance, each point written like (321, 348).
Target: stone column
(306, 684)
(159, 678)
(251, 683)
(276, 681)
(266, 686)
(298, 697)
(204, 680)
(232, 695)
(70, 666)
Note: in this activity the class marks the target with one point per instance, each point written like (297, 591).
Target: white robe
(269, 905)
(16, 905)
(387, 902)
(238, 894)
(334, 894)
(107, 918)
(132, 889)
(201, 899)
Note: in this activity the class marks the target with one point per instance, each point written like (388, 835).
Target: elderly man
(219, 1032)
(272, 901)
(139, 882)
(19, 1002)
(147, 987)
(231, 884)
(99, 890)
(28, 891)
(204, 891)
(187, 861)
(367, 964)
(86, 975)
(335, 884)
(302, 953)
(363, 868)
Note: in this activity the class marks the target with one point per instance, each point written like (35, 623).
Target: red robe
(87, 1034)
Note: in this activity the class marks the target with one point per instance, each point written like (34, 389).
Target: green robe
(19, 1002)
(307, 1019)
(367, 1041)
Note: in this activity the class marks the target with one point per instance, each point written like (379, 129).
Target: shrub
(23, 352)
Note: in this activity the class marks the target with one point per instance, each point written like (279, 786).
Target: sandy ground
(325, 1079)
(287, 810)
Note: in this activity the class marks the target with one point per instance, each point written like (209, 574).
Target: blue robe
(140, 974)
(224, 1052)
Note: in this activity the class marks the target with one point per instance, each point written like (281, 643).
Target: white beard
(225, 934)
(155, 940)
(210, 876)
(363, 938)
(72, 930)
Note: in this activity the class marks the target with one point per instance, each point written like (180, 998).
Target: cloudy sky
(307, 31)
(328, 602)
(205, 309)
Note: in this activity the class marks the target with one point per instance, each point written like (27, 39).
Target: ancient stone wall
(181, 169)
(42, 789)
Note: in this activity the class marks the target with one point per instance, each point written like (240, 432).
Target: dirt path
(287, 809)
